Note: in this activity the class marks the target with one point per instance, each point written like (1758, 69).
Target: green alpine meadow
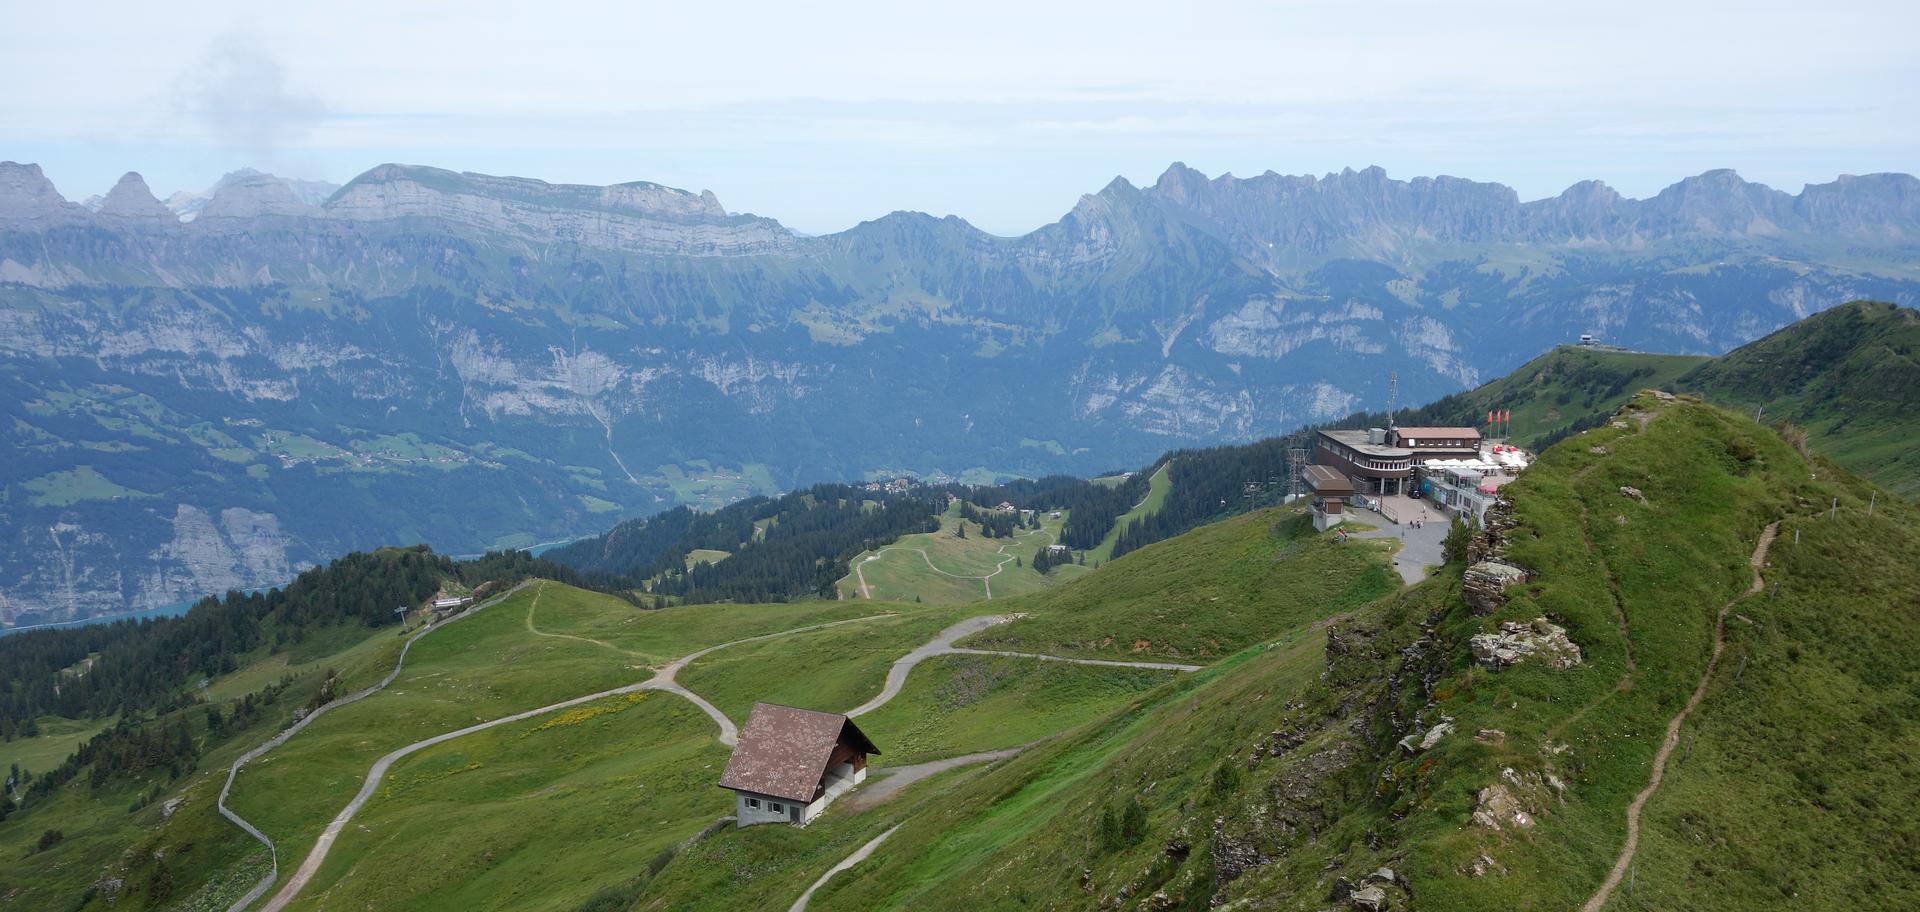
(997, 457)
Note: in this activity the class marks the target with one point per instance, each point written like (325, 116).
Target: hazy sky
(823, 114)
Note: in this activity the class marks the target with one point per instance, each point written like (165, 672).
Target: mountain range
(477, 361)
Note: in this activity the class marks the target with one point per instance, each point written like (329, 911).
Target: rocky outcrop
(635, 217)
(1484, 584)
(253, 196)
(28, 199)
(1370, 898)
(130, 201)
(1489, 542)
(1515, 801)
(1418, 743)
(1540, 641)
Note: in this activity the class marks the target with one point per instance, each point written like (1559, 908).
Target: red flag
(1506, 415)
(1489, 417)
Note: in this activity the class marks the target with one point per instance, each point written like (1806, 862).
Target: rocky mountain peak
(27, 196)
(1872, 205)
(638, 216)
(1180, 183)
(1719, 202)
(131, 199)
(254, 195)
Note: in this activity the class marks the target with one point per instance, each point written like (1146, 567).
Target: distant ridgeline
(134, 667)
(797, 545)
(482, 362)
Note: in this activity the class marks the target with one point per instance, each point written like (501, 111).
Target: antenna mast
(1393, 395)
(1296, 463)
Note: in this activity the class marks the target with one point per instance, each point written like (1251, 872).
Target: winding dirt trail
(942, 644)
(662, 680)
(220, 804)
(866, 591)
(536, 631)
(859, 855)
(1625, 861)
(884, 782)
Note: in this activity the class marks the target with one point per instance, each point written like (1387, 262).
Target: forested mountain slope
(484, 362)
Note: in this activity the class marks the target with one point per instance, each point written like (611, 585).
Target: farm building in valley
(791, 763)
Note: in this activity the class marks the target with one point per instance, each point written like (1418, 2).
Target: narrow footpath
(220, 804)
(1625, 861)
(859, 855)
(890, 782)
(942, 644)
(866, 591)
(662, 680)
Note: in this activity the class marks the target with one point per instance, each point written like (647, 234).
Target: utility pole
(1296, 465)
(1835, 512)
(1393, 395)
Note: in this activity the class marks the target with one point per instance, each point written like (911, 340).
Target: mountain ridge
(280, 380)
(1302, 211)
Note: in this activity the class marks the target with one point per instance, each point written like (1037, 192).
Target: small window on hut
(753, 803)
(777, 807)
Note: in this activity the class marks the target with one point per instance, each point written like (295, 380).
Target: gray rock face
(1484, 584)
(1368, 899)
(639, 217)
(254, 196)
(1421, 743)
(1540, 641)
(130, 200)
(29, 200)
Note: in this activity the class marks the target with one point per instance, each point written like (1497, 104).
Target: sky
(829, 113)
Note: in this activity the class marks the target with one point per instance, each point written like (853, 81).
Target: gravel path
(883, 783)
(859, 855)
(942, 644)
(894, 780)
(266, 883)
(1625, 861)
(662, 680)
(866, 591)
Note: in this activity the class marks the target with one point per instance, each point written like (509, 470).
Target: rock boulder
(1543, 641)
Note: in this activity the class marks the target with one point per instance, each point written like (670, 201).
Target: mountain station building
(1381, 461)
(791, 763)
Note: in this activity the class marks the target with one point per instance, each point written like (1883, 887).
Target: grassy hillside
(1158, 484)
(1274, 779)
(940, 567)
(1565, 390)
(1203, 595)
(1850, 376)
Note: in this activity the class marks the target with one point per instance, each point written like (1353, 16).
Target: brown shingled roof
(783, 751)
